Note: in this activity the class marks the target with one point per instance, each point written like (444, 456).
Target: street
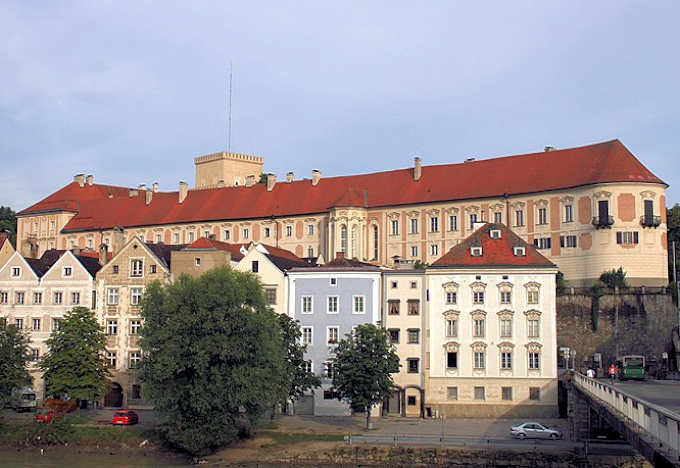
(664, 393)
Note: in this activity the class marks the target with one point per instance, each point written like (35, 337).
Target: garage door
(305, 406)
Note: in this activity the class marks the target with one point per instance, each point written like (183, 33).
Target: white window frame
(136, 272)
(311, 304)
(362, 299)
(138, 296)
(289, 231)
(75, 297)
(534, 358)
(328, 304)
(414, 251)
(453, 222)
(303, 340)
(112, 327)
(479, 360)
(135, 326)
(394, 227)
(434, 249)
(246, 233)
(534, 328)
(568, 213)
(60, 295)
(478, 297)
(434, 224)
(37, 295)
(16, 272)
(505, 326)
(112, 293)
(329, 335)
(451, 328)
(310, 229)
(506, 360)
(542, 216)
(67, 272)
(135, 358)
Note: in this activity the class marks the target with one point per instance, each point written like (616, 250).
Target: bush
(60, 406)
(614, 278)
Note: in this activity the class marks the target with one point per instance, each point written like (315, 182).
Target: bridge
(651, 427)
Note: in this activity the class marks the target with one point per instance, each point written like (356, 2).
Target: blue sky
(132, 91)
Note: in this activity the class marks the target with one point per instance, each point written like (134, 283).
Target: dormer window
(495, 234)
(68, 272)
(476, 251)
(519, 251)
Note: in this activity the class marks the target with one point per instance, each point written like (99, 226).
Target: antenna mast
(229, 110)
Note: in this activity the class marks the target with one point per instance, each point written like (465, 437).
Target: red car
(47, 417)
(125, 417)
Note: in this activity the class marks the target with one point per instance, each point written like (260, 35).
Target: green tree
(673, 223)
(75, 364)
(214, 357)
(363, 366)
(614, 278)
(8, 221)
(298, 379)
(14, 357)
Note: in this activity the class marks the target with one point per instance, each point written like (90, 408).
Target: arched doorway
(115, 396)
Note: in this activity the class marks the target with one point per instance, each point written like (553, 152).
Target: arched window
(343, 239)
(375, 242)
(354, 241)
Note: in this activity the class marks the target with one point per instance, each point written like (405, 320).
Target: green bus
(631, 367)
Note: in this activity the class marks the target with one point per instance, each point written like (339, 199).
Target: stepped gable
(495, 252)
(104, 207)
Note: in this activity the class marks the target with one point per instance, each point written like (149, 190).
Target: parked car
(125, 417)
(533, 430)
(48, 417)
(25, 400)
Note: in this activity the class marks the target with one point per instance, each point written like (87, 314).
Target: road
(664, 393)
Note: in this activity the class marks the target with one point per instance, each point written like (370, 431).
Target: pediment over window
(518, 205)
(533, 347)
(478, 346)
(451, 314)
(451, 286)
(532, 285)
(472, 209)
(542, 203)
(452, 210)
(505, 314)
(496, 207)
(506, 346)
(533, 314)
(647, 194)
(433, 212)
(394, 215)
(602, 194)
(505, 286)
(413, 214)
(478, 286)
(451, 347)
(478, 314)
(568, 200)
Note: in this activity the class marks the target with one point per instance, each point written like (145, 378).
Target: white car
(534, 430)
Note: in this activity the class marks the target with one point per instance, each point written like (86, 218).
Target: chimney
(183, 190)
(289, 177)
(141, 187)
(155, 187)
(118, 239)
(467, 160)
(133, 192)
(250, 180)
(149, 195)
(89, 179)
(76, 250)
(417, 168)
(549, 148)
(340, 255)
(80, 178)
(220, 184)
(103, 254)
(316, 177)
(271, 181)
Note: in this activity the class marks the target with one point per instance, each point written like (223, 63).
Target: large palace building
(587, 209)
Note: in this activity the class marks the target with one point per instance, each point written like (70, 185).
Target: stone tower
(226, 169)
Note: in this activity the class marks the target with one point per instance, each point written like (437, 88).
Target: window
(175, 238)
(506, 360)
(112, 296)
(135, 296)
(67, 272)
(542, 243)
(394, 227)
(56, 324)
(111, 357)
(451, 327)
(36, 324)
(413, 307)
(332, 304)
(478, 360)
(158, 238)
(495, 234)
(306, 304)
(136, 393)
(37, 298)
(135, 327)
(154, 268)
(532, 296)
(476, 251)
(246, 232)
(568, 213)
(498, 217)
(506, 297)
(413, 336)
(289, 231)
(191, 236)
(453, 223)
(16, 272)
(330, 394)
(452, 360)
(473, 220)
(75, 298)
(479, 394)
(35, 354)
(627, 237)
(568, 242)
(115, 269)
(267, 232)
(451, 297)
(310, 229)
(506, 328)
(519, 218)
(393, 307)
(112, 327)
(393, 284)
(306, 335)
(519, 251)
(506, 393)
(19, 298)
(255, 266)
(135, 358)
(542, 216)
(478, 328)
(414, 225)
(414, 251)
(358, 304)
(333, 281)
(451, 393)
(376, 242)
(534, 393)
(478, 297)
(270, 295)
(411, 400)
(3, 297)
(206, 233)
(394, 335)
(434, 224)
(58, 298)
(413, 364)
(136, 267)
(308, 367)
(19, 323)
(414, 285)
(328, 368)
(534, 361)
(197, 261)
(310, 252)
(533, 328)
(434, 249)
(332, 335)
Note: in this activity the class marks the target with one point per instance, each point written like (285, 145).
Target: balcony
(603, 222)
(650, 221)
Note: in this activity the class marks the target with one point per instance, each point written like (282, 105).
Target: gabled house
(6, 249)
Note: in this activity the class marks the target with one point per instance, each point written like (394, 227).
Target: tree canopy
(298, 378)
(673, 222)
(14, 357)
(8, 221)
(214, 357)
(75, 364)
(363, 366)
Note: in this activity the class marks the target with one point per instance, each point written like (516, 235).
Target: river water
(63, 459)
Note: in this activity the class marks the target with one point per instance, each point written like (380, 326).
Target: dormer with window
(495, 233)
(519, 251)
(476, 248)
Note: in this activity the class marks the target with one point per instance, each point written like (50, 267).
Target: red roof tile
(603, 162)
(204, 243)
(4, 236)
(495, 252)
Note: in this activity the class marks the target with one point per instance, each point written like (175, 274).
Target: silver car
(533, 430)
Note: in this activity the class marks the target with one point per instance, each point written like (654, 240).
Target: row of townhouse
(588, 209)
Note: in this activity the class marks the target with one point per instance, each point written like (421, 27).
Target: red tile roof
(495, 252)
(204, 243)
(602, 162)
(4, 236)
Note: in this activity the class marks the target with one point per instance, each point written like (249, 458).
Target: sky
(133, 91)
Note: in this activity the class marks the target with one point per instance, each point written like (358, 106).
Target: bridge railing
(660, 424)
